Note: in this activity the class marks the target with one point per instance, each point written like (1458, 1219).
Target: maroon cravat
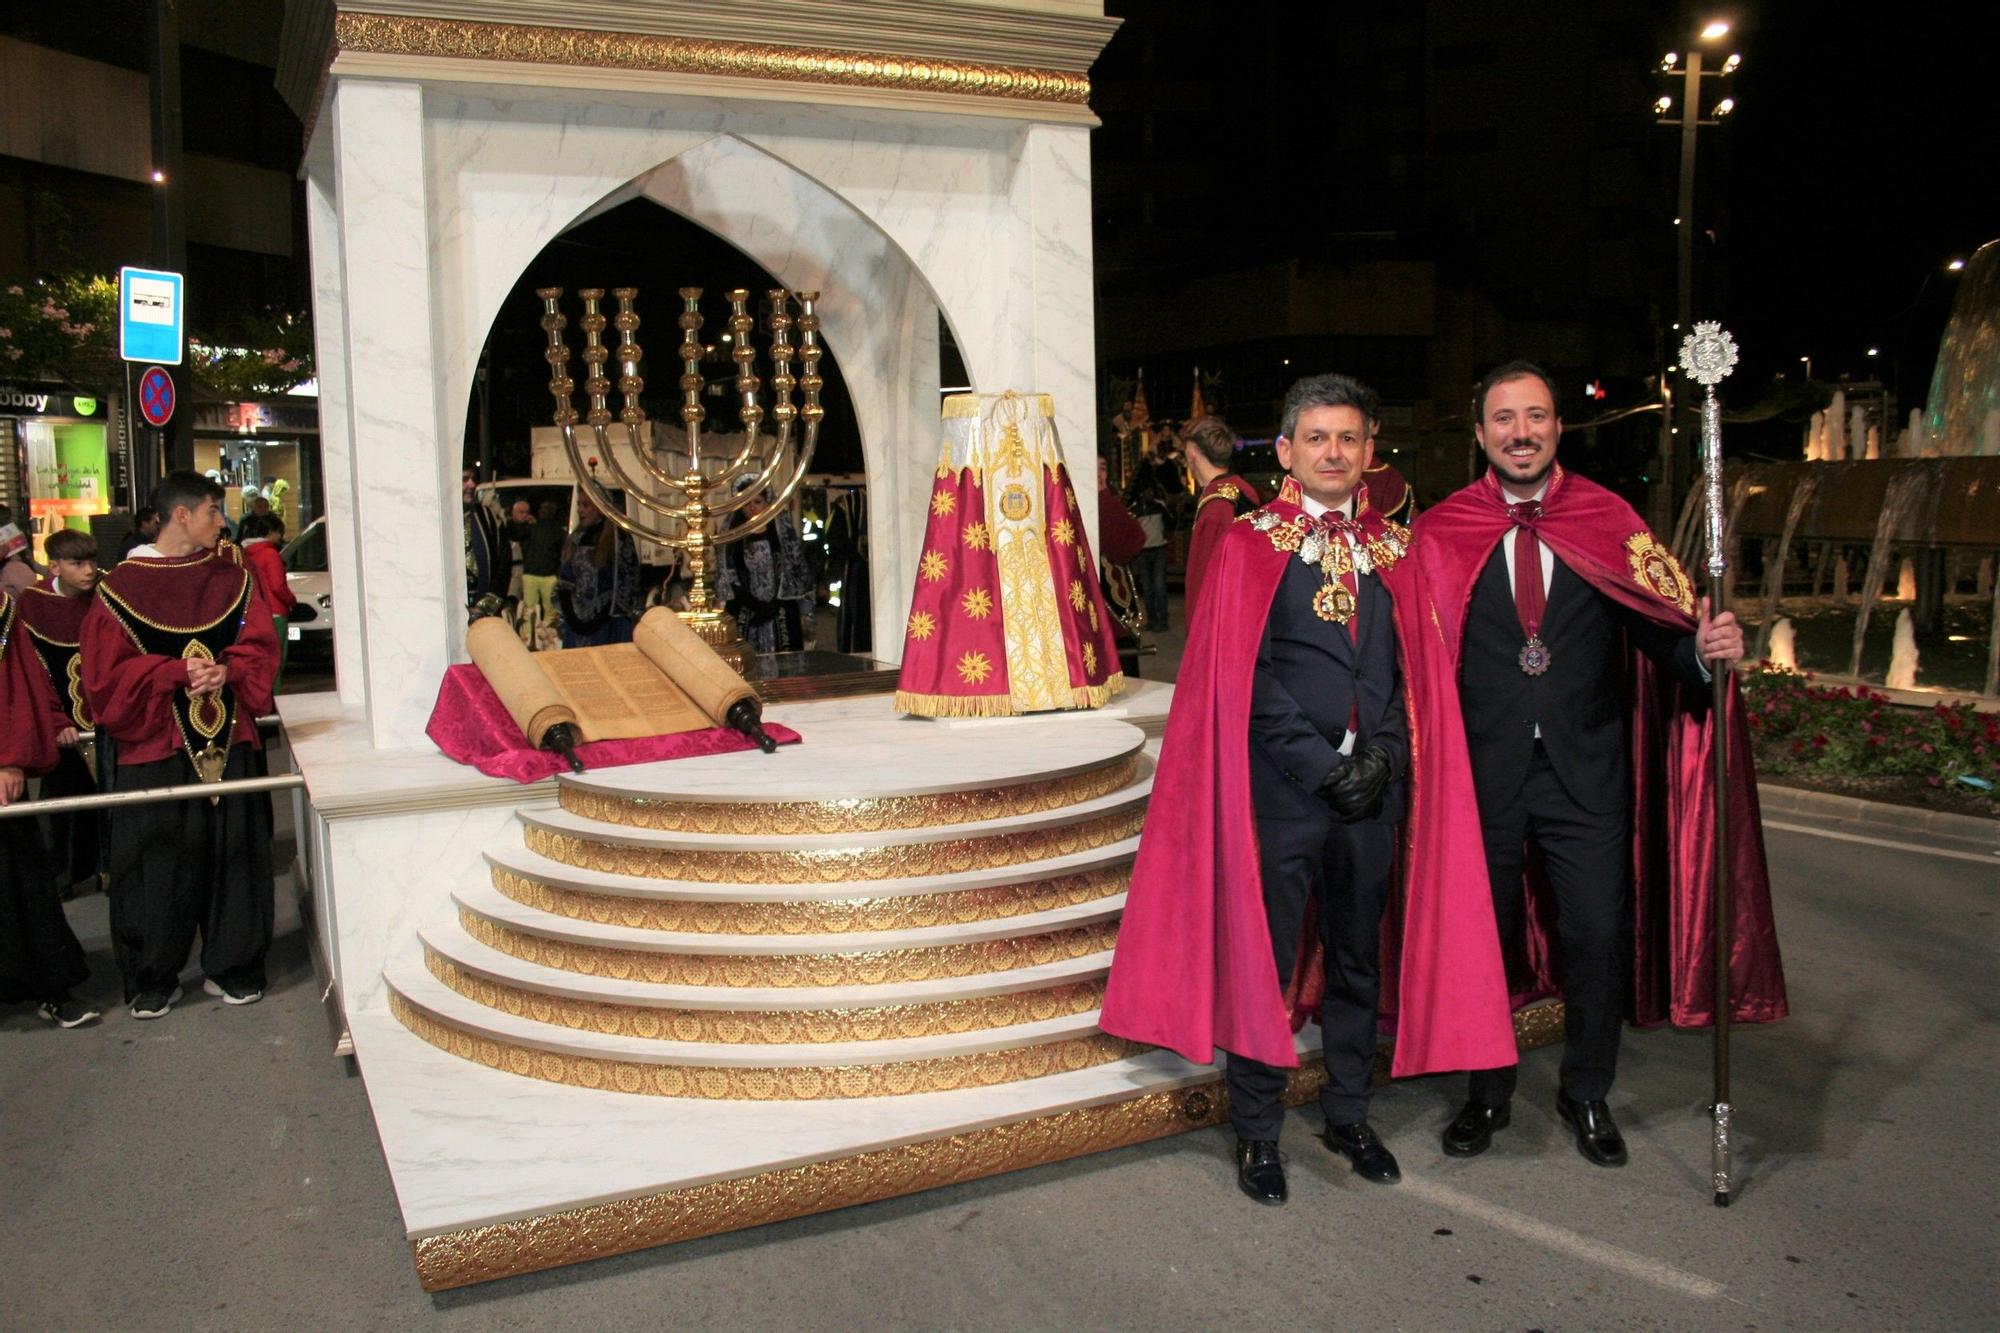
(1530, 601)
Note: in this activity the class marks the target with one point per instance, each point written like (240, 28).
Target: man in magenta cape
(1195, 968)
(1577, 701)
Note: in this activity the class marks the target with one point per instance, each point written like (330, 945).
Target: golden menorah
(704, 495)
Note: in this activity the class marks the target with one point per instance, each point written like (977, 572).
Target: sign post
(152, 326)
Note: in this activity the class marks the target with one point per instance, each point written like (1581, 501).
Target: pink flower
(273, 355)
(290, 366)
(13, 290)
(13, 354)
(6, 333)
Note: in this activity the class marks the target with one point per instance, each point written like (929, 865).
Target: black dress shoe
(1597, 1136)
(1260, 1172)
(1470, 1132)
(1361, 1145)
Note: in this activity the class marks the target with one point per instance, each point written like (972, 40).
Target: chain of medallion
(837, 864)
(981, 1069)
(764, 1027)
(865, 815)
(872, 967)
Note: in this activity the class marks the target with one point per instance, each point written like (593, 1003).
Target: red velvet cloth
(1672, 744)
(1194, 970)
(1214, 511)
(955, 641)
(471, 725)
(28, 740)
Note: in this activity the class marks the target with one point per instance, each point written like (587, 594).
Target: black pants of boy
(72, 838)
(39, 956)
(185, 868)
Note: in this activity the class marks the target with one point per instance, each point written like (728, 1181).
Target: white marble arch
(429, 200)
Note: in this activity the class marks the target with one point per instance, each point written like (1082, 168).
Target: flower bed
(1855, 740)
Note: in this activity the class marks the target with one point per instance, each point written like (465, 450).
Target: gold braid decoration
(872, 967)
(781, 1083)
(873, 815)
(475, 1254)
(833, 865)
(881, 1022)
(381, 34)
(835, 917)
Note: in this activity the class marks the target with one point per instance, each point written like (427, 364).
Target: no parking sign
(156, 396)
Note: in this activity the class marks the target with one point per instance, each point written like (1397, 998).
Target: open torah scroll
(663, 682)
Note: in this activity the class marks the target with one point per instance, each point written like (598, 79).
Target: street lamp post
(1689, 120)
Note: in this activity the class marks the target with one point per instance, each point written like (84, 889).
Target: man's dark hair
(1212, 439)
(187, 490)
(255, 525)
(1330, 391)
(70, 544)
(143, 515)
(1513, 370)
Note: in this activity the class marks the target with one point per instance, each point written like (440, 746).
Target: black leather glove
(1354, 790)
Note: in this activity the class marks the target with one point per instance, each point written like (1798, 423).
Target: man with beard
(1582, 681)
(52, 615)
(1271, 833)
(179, 659)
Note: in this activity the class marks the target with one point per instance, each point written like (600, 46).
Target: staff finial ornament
(1708, 354)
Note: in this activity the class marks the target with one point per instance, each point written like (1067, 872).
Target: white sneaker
(227, 996)
(153, 1004)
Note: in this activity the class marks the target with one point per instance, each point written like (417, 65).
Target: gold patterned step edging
(900, 1078)
(958, 907)
(857, 815)
(831, 865)
(869, 967)
(889, 1022)
(469, 1255)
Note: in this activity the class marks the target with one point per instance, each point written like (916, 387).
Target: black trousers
(182, 868)
(1588, 856)
(39, 956)
(1344, 870)
(72, 839)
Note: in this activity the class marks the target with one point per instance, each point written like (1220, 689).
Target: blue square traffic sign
(151, 316)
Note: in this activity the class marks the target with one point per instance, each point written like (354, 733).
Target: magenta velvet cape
(1194, 969)
(1673, 738)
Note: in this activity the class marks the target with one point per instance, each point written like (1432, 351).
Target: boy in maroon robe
(52, 614)
(40, 959)
(179, 659)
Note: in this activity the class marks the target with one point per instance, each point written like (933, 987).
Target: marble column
(404, 462)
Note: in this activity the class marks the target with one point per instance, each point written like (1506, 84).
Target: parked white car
(306, 573)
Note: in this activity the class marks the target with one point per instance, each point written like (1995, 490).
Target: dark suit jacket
(1580, 703)
(1309, 673)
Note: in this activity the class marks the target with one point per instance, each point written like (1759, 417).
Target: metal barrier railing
(103, 800)
(268, 722)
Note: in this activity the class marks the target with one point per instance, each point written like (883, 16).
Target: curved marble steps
(760, 1015)
(994, 893)
(803, 1071)
(730, 858)
(710, 959)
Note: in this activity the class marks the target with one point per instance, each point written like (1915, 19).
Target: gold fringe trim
(834, 865)
(382, 34)
(869, 815)
(783, 1083)
(872, 967)
(955, 705)
(911, 911)
(766, 1027)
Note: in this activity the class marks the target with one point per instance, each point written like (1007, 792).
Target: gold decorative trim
(913, 911)
(872, 967)
(834, 865)
(761, 1027)
(1655, 569)
(470, 1255)
(381, 34)
(981, 1069)
(873, 815)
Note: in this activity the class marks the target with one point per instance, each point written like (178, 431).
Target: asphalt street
(218, 1169)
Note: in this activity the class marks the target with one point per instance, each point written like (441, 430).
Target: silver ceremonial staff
(1707, 356)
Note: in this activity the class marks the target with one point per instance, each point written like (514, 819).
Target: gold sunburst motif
(1090, 659)
(1062, 532)
(922, 625)
(977, 537)
(933, 566)
(977, 603)
(974, 668)
(1077, 596)
(943, 502)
